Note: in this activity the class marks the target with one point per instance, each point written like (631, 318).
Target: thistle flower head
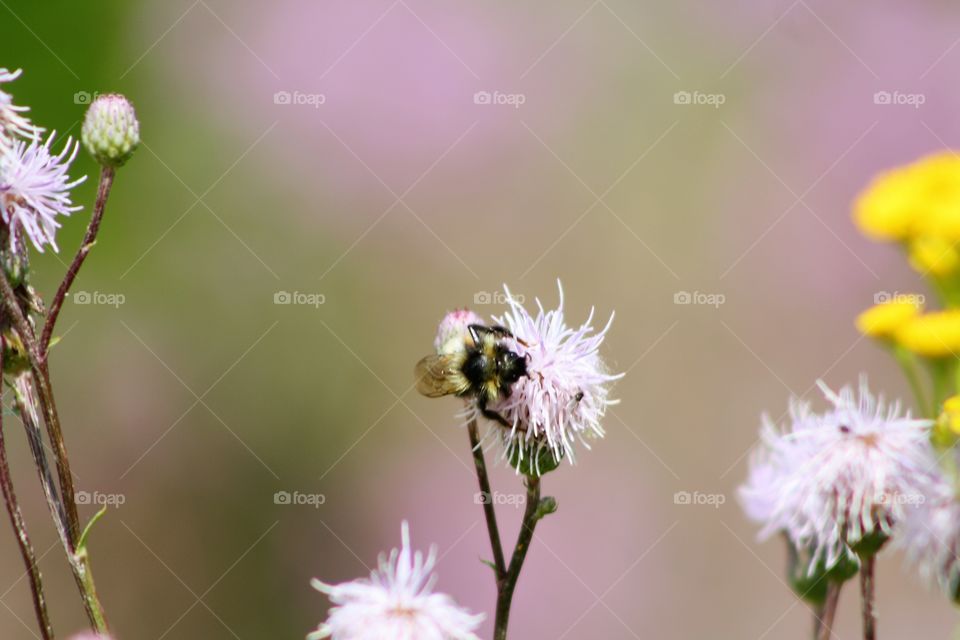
(111, 131)
(566, 391)
(396, 602)
(452, 332)
(13, 124)
(832, 480)
(931, 536)
(35, 190)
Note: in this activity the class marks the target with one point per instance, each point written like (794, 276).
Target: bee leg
(503, 332)
(490, 414)
(500, 330)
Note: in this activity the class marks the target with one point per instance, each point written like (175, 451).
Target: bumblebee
(485, 368)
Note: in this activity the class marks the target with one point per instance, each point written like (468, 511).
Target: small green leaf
(82, 543)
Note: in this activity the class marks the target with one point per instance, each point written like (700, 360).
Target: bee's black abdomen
(475, 369)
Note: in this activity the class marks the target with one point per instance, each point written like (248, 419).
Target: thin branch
(829, 611)
(103, 192)
(867, 574)
(489, 509)
(23, 540)
(52, 420)
(26, 402)
(531, 515)
(78, 558)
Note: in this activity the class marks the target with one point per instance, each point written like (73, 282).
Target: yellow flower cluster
(933, 335)
(919, 206)
(883, 320)
(946, 431)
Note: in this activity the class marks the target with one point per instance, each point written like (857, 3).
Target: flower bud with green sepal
(533, 458)
(111, 131)
(811, 585)
(870, 544)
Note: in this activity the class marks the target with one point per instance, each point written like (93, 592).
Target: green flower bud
(15, 359)
(811, 586)
(870, 544)
(111, 131)
(547, 506)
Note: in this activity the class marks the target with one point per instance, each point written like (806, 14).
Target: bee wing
(439, 375)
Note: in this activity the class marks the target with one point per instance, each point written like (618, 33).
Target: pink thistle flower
(567, 390)
(13, 123)
(931, 536)
(830, 480)
(452, 333)
(35, 190)
(89, 635)
(396, 602)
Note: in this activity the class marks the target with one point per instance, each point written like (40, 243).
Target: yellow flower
(935, 255)
(946, 431)
(884, 319)
(922, 198)
(887, 209)
(935, 335)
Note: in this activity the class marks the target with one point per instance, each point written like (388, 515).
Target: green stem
(79, 562)
(23, 540)
(867, 569)
(486, 497)
(531, 515)
(89, 238)
(940, 375)
(908, 363)
(829, 611)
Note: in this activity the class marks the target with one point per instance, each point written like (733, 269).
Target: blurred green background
(390, 187)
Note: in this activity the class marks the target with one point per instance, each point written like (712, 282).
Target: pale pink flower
(829, 480)
(566, 392)
(452, 332)
(35, 190)
(930, 534)
(13, 123)
(396, 602)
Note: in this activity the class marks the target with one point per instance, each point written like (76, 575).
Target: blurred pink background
(388, 185)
